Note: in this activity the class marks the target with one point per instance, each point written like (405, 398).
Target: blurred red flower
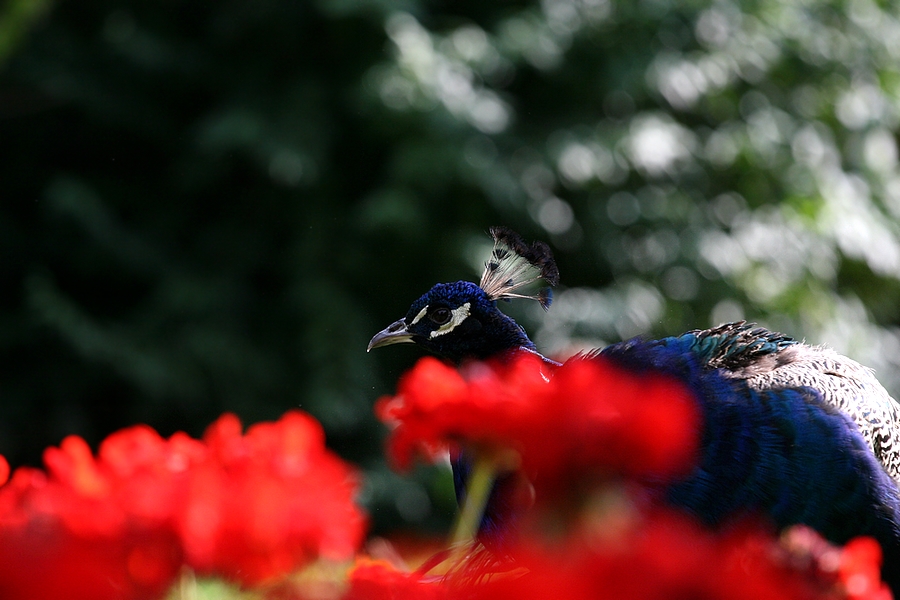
(860, 570)
(264, 503)
(378, 580)
(661, 555)
(121, 524)
(587, 417)
(4, 470)
(74, 532)
(668, 555)
(853, 571)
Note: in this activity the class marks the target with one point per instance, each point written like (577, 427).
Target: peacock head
(461, 320)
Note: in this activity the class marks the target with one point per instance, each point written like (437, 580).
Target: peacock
(795, 431)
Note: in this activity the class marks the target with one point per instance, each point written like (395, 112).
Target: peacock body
(782, 450)
(765, 360)
(795, 431)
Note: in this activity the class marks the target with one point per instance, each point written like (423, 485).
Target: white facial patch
(457, 316)
(420, 315)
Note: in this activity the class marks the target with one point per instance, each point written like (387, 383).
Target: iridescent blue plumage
(732, 345)
(781, 452)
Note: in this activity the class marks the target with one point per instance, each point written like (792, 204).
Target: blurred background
(212, 205)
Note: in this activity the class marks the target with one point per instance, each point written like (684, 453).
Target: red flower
(4, 470)
(377, 580)
(666, 555)
(860, 570)
(655, 556)
(73, 533)
(855, 569)
(589, 417)
(120, 525)
(267, 502)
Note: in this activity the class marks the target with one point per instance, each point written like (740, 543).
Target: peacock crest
(515, 264)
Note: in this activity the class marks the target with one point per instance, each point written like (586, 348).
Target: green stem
(478, 490)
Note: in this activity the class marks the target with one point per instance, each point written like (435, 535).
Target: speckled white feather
(514, 264)
(843, 383)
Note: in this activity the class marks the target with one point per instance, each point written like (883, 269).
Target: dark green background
(211, 206)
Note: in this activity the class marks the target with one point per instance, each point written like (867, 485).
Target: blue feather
(782, 452)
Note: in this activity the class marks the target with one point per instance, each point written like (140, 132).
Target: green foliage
(16, 18)
(212, 206)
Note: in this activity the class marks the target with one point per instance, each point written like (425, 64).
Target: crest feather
(514, 264)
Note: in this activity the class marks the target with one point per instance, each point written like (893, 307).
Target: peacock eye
(440, 315)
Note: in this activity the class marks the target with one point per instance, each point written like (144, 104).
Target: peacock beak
(395, 333)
